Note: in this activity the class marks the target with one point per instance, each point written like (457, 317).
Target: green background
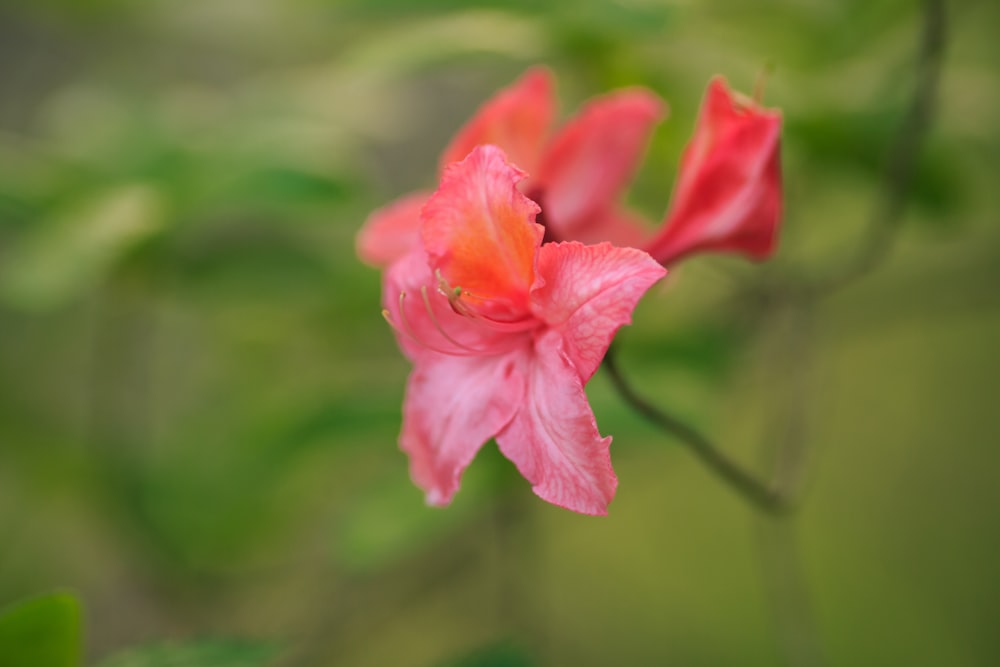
(199, 398)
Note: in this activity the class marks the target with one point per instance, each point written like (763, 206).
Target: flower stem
(759, 493)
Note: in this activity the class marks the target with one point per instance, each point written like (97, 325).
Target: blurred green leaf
(41, 632)
(61, 257)
(501, 654)
(196, 654)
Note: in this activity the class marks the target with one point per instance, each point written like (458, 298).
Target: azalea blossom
(504, 332)
(727, 196)
(577, 173)
(728, 191)
(503, 310)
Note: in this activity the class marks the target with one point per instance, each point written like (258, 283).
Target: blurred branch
(791, 605)
(778, 496)
(790, 454)
(900, 165)
(785, 583)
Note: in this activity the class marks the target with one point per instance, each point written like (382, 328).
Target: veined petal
(728, 192)
(391, 231)
(479, 233)
(453, 405)
(587, 165)
(587, 292)
(553, 438)
(516, 119)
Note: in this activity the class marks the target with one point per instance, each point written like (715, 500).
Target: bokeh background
(199, 398)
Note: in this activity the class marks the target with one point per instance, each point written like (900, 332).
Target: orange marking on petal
(479, 232)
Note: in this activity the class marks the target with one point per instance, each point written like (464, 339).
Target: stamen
(453, 294)
(437, 325)
(405, 329)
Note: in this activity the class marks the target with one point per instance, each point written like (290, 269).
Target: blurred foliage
(497, 655)
(200, 401)
(41, 632)
(195, 654)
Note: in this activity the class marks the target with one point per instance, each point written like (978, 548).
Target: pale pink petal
(587, 292)
(728, 192)
(479, 233)
(587, 165)
(453, 405)
(516, 119)
(553, 438)
(391, 231)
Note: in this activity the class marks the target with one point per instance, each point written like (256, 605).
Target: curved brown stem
(759, 493)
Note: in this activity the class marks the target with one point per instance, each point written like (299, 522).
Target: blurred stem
(761, 494)
(900, 165)
(785, 582)
(791, 604)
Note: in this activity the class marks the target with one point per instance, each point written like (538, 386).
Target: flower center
(437, 330)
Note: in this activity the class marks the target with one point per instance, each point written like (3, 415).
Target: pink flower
(728, 191)
(504, 333)
(577, 175)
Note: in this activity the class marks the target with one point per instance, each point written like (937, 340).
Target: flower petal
(479, 232)
(620, 227)
(588, 292)
(453, 405)
(516, 119)
(587, 165)
(728, 192)
(553, 438)
(391, 231)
